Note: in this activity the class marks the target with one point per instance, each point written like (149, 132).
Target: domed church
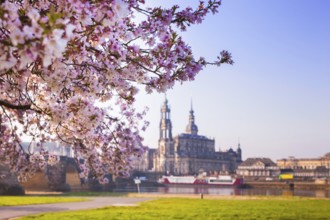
(190, 153)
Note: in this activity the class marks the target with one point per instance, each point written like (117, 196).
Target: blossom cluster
(62, 61)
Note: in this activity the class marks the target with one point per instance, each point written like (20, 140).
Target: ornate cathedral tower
(192, 127)
(239, 152)
(165, 126)
(164, 158)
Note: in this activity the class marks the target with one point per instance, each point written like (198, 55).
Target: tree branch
(12, 106)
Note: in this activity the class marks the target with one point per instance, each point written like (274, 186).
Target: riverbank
(287, 185)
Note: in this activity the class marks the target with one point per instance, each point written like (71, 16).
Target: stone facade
(8, 182)
(59, 177)
(144, 163)
(258, 167)
(190, 153)
(305, 163)
(307, 167)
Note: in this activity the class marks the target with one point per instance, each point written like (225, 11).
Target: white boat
(192, 180)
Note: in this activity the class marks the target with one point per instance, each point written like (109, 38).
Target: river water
(225, 191)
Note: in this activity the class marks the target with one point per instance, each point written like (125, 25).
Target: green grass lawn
(30, 200)
(230, 209)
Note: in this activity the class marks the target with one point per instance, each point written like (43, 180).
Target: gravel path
(7, 212)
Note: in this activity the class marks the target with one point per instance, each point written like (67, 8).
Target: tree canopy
(61, 59)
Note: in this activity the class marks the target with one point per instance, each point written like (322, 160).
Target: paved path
(7, 212)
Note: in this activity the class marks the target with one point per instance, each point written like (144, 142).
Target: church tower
(192, 127)
(164, 158)
(165, 126)
(239, 152)
(165, 131)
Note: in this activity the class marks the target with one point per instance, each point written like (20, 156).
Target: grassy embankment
(32, 200)
(53, 198)
(244, 208)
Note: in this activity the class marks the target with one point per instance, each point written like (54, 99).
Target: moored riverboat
(211, 181)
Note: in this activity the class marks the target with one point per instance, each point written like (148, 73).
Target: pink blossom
(7, 61)
(60, 59)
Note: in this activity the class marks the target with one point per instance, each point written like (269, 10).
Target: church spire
(191, 127)
(239, 151)
(165, 126)
(191, 105)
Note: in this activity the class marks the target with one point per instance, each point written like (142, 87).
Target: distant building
(55, 148)
(190, 153)
(307, 167)
(258, 167)
(144, 163)
(305, 163)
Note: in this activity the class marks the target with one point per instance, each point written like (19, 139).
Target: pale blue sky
(275, 98)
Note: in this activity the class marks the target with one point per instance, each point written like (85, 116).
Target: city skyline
(275, 98)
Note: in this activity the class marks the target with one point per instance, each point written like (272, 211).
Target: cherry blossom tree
(70, 71)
